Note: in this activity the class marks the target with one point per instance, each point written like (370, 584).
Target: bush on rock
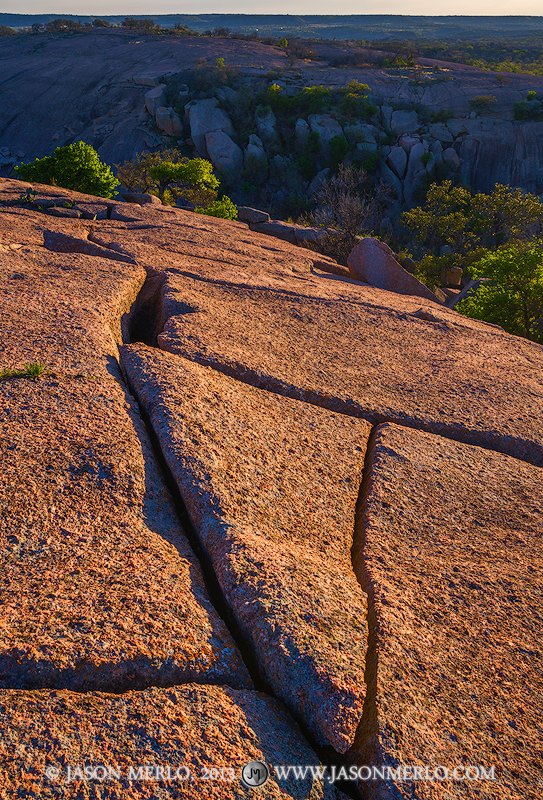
(76, 166)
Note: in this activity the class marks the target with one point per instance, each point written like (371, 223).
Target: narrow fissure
(143, 326)
(211, 583)
(500, 443)
(365, 749)
(151, 321)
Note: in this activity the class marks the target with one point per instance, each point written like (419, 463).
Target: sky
(408, 7)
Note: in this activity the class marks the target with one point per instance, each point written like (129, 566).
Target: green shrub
(529, 109)
(223, 208)
(513, 297)
(354, 100)
(339, 147)
(483, 102)
(76, 166)
(444, 115)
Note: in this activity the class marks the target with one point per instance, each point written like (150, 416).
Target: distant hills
(355, 27)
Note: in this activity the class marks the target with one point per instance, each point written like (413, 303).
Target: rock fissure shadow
(326, 755)
(143, 324)
(488, 440)
(365, 750)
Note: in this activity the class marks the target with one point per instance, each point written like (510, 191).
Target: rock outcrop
(252, 510)
(205, 117)
(225, 155)
(168, 121)
(373, 262)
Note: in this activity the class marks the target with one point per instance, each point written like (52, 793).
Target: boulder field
(255, 510)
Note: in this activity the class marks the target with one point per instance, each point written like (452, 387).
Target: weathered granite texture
(449, 548)
(373, 262)
(194, 727)
(422, 368)
(100, 589)
(271, 486)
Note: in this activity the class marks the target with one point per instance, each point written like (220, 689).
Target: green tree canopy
(513, 295)
(170, 175)
(452, 215)
(76, 166)
(196, 172)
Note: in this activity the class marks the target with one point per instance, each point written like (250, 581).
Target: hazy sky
(411, 7)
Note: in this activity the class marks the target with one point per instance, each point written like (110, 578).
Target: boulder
(205, 117)
(453, 277)
(430, 164)
(408, 142)
(93, 210)
(457, 127)
(184, 92)
(265, 125)
(415, 168)
(366, 149)
(326, 127)
(301, 130)
(386, 115)
(168, 121)
(441, 133)
(246, 214)
(141, 199)
(145, 80)
(309, 236)
(277, 228)
(404, 122)
(373, 262)
(155, 99)
(225, 154)
(228, 95)
(284, 174)
(318, 181)
(451, 156)
(397, 161)
(359, 132)
(392, 180)
(255, 159)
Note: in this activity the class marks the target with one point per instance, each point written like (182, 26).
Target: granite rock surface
(420, 367)
(271, 486)
(159, 743)
(449, 547)
(382, 583)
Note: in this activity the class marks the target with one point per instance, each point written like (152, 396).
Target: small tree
(469, 225)
(347, 205)
(188, 173)
(170, 175)
(76, 166)
(513, 296)
(443, 219)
